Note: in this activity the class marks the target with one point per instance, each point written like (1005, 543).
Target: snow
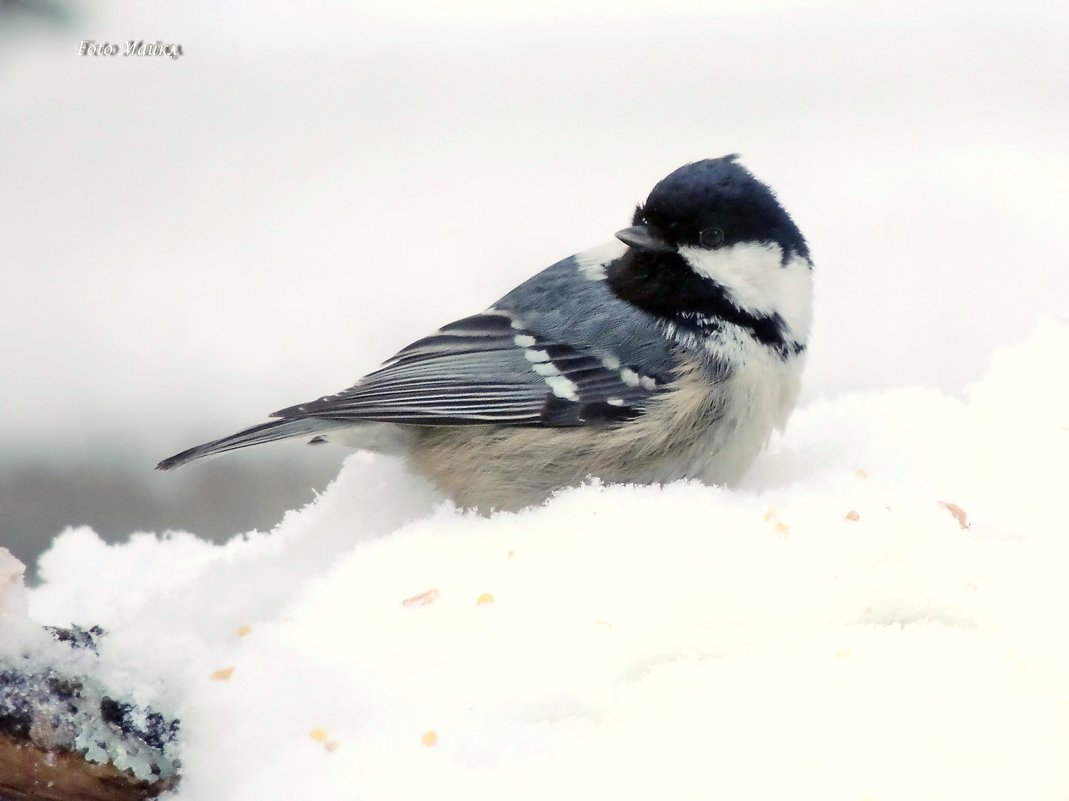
(14, 622)
(877, 613)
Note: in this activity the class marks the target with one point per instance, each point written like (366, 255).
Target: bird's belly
(711, 433)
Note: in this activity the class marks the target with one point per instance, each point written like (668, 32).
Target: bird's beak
(642, 238)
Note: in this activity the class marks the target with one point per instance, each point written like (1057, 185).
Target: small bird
(672, 352)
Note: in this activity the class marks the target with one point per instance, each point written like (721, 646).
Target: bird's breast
(750, 397)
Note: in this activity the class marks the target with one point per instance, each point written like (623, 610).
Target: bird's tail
(265, 432)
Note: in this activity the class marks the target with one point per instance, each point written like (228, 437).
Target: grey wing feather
(264, 432)
(488, 368)
(564, 298)
(559, 350)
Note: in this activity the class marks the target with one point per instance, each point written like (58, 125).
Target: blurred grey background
(189, 244)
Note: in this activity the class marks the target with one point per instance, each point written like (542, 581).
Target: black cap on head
(717, 202)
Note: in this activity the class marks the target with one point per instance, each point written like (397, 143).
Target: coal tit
(672, 352)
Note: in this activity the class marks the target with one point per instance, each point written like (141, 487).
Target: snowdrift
(877, 613)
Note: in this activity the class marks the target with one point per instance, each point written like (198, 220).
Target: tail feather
(265, 432)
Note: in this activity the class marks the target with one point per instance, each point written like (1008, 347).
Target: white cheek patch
(757, 281)
(592, 263)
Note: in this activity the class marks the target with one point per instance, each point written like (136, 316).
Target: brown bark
(31, 773)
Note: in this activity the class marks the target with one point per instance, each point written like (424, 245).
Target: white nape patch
(615, 401)
(592, 263)
(611, 363)
(757, 281)
(630, 377)
(536, 356)
(524, 340)
(563, 387)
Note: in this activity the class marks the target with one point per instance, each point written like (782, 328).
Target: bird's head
(712, 246)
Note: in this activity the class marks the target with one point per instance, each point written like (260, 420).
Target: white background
(188, 245)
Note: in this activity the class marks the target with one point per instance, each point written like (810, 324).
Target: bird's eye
(711, 237)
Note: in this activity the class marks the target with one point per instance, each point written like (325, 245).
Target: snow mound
(17, 632)
(879, 612)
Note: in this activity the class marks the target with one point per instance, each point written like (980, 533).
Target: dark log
(67, 738)
(31, 773)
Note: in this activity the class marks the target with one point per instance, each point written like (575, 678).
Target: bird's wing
(490, 369)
